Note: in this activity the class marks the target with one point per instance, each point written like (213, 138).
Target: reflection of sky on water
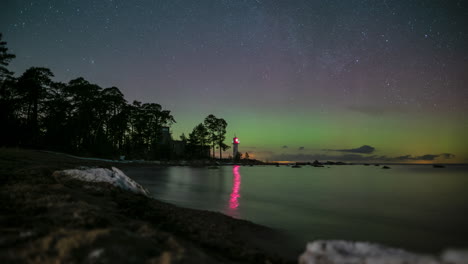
(346, 202)
(187, 186)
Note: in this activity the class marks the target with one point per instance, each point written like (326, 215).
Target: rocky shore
(45, 219)
(48, 215)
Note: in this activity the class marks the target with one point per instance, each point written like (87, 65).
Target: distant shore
(229, 162)
(44, 220)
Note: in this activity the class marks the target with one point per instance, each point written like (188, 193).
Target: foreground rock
(346, 252)
(114, 177)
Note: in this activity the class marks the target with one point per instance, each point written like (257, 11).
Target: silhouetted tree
(116, 118)
(220, 131)
(78, 117)
(33, 85)
(5, 58)
(9, 103)
(57, 112)
(146, 121)
(210, 123)
(238, 156)
(86, 114)
(217, 133)
(198, 140)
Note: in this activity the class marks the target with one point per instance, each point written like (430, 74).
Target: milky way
(310, 75)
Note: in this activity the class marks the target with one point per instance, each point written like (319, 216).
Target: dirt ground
(44, 220)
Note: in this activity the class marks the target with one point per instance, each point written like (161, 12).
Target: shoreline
(43, 219)
(226, 162)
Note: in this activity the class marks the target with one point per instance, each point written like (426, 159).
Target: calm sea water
(410, 206)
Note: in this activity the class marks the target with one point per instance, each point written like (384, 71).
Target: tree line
(207, 135)
(83, 118)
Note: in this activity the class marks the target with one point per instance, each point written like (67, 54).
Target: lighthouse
(235, 149)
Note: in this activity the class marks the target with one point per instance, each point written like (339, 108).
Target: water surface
(411, 206)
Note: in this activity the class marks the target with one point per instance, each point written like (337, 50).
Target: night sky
(295, 80)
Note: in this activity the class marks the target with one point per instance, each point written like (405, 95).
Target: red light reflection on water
(234, 201)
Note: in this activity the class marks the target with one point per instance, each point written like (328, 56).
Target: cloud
(426, 157)
(301, 148)
(399, 158)
(353, 157)
(430, 156)
(321, 157)
(447, 156)
(284, 147)
(365, 149)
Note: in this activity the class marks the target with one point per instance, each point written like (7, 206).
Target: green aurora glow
(314, 74)
(392, 135)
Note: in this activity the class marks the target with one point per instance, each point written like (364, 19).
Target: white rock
(95, 254)
(114, 177)
(346, 252)
(455, 256)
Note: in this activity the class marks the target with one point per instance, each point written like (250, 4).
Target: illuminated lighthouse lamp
(235, 147)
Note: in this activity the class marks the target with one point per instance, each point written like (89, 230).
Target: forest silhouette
(82, 118)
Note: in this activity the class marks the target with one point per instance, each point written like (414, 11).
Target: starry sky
(358, 81)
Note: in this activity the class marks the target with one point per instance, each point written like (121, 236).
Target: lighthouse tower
(235, 149)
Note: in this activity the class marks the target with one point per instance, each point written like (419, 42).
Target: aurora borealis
(295, 80)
